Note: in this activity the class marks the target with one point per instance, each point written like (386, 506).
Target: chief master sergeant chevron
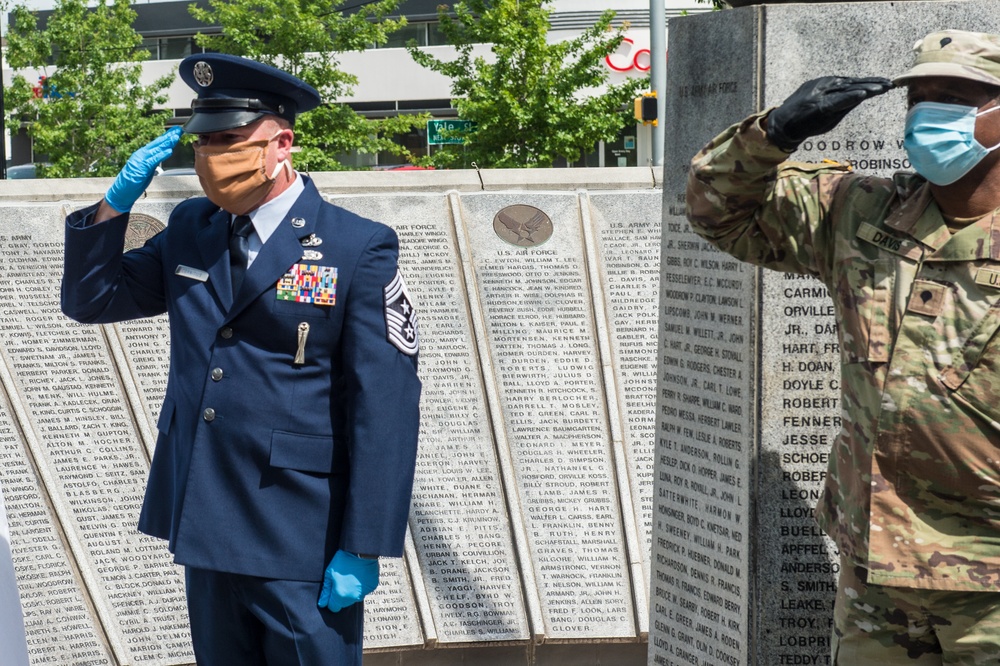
(288, 434)
(912, 497)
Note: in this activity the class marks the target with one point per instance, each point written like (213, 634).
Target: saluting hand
(138, 172)
(818, 105)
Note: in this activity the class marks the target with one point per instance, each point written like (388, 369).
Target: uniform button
(216, 374)
(208, 414)
(226, 333)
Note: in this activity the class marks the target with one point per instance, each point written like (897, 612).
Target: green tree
(90, 112)
(303, 37)
(532, 101)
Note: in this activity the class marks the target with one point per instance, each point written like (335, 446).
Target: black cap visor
(206, 122)
(215, 114)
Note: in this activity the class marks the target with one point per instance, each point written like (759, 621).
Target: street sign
(436, 129)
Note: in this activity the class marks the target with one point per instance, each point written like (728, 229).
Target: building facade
(389, 81)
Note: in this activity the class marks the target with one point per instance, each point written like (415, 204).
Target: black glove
(817, 106)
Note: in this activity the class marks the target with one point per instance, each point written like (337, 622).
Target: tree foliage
(90, 112)
(303, 37)
(530, 101)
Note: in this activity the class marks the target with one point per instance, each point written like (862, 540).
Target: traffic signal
(645, 108)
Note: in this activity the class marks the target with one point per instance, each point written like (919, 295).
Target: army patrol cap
(235, 91)
(956, 53)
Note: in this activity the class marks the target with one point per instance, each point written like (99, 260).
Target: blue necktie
(239, 250)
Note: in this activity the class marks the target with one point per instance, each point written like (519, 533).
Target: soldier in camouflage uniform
(912, 497)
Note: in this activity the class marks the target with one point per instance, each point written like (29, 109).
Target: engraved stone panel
(58, 622)
(627, 235)
(702, 549)
(143, 345)
(82, 436)
(11, 619)
(390, 617)
(531, 307)
(458, 516)
(536, 309)
(531, 509)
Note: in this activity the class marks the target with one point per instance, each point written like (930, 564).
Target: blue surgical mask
(940, 140)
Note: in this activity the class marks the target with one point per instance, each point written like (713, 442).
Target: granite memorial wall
(11, 618)
(747, 394)
(532, 504)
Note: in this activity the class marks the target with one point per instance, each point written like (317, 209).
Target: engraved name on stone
(58, 626)
(802, 410)
(390, 617)
(702, 547)
(628, 235)
(536, 305)
(458, 518)
(63, 374)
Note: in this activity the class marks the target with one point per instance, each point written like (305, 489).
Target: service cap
(956, 53)
(234, 91)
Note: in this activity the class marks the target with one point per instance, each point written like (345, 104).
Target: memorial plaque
(141, 347)
(390, 617)
(732, 337)
(458, 517)
(532, 501)
(627, 234)
(536, 306)
(58, 624)
(701, 593)
(11, 618)
(82, 436)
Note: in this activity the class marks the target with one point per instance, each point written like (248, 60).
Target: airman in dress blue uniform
(288, 435)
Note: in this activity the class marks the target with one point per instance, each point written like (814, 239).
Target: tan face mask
(234, 176)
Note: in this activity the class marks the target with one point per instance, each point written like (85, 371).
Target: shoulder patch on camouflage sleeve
(826, 166)
(400, 317)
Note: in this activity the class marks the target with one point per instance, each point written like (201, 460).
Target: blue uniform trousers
(251, 621)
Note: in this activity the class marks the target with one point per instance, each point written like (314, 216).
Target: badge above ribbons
(400, 317)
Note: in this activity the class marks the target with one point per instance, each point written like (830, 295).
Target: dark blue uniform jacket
(264, 466)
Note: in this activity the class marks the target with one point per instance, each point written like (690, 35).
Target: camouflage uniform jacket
(913, 488)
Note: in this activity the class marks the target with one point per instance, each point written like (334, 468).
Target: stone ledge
(356, 182)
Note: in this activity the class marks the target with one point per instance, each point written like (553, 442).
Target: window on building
(355, 160)
(402, 37)
(170, 48)
(153, 46)
(622, 152)
(434, 35)
(590, 159)
(177, 48)
(415, 141)
(424, 34)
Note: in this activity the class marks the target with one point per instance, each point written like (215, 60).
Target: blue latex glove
(138, 172)
(348, 579)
